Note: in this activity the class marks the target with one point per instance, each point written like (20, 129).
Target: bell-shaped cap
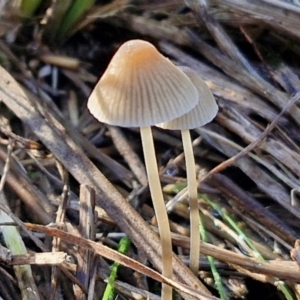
(202, 113)
(141, 87)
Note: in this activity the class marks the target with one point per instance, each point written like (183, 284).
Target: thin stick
(128, 154)
(6, 165)
(193, 201)
(159, 208)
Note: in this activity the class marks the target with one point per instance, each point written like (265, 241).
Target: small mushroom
(140, 88)
(202, 113)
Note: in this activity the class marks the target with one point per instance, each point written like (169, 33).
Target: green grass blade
(110, 290)
(214, 271)
(28, 7)
(77, 10)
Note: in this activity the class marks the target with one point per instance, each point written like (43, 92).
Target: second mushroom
(202, 113)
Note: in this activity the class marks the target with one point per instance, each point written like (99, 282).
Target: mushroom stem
(193, 201)
(159, 207)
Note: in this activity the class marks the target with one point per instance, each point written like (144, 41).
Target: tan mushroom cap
(202, 113)
(141, 87)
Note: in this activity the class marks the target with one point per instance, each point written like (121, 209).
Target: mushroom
(202, 113)
(140, 88)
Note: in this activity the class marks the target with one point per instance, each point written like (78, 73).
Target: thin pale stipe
(159, 208)
(193, 201)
